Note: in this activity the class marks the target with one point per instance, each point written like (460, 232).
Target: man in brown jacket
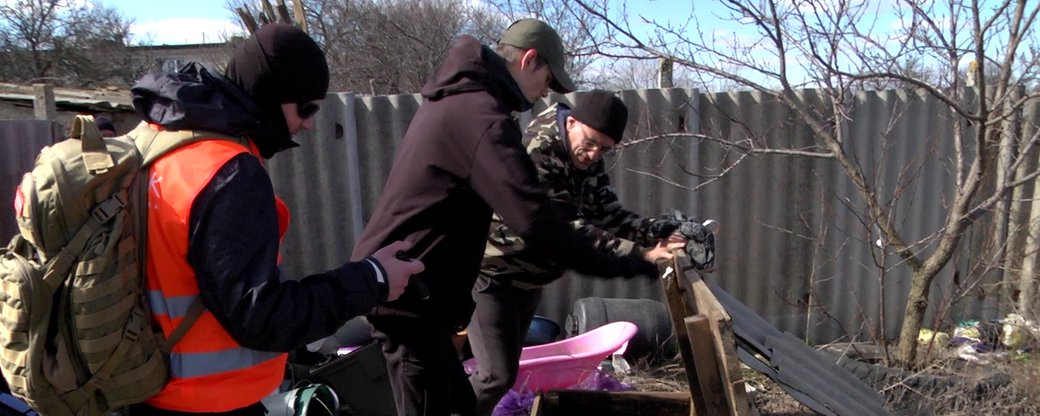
(461, 158)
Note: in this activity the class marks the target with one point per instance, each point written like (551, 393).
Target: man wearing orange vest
(215, 225)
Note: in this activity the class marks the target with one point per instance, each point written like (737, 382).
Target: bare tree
(385, 47)
(67, 43)
(390, 47)
(633, 74)
(576, 27)
(843, 47)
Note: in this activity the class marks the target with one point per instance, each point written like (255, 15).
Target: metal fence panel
(20, 142)
(792, 246)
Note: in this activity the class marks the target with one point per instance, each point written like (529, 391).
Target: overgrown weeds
(1003, 384)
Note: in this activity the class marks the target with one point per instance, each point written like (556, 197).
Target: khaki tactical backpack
(76, 336)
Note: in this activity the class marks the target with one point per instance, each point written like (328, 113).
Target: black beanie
(279, 64)
(603, 111)
(104, 124)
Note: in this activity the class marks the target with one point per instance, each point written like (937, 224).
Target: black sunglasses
(306, 110)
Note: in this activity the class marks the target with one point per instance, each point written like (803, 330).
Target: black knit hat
(104, 123)
(279, 64)
(603, 111)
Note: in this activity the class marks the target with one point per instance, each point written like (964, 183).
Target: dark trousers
(425, 373)
(496, 335)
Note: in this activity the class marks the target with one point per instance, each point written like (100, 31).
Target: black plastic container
(360, 380)
(653, 342)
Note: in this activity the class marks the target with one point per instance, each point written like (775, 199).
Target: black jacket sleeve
(233, 247)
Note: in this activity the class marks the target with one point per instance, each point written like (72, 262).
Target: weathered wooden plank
(283, 12)
(721, 326)
(698, 329)
(538, 408)
(729, 366)
(271, 17)
(247, 19)
(298, 13)
(679, 309)
(43, 102)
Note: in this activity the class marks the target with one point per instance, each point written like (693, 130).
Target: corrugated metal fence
(20, 141)
(791, 245)
(790, 235)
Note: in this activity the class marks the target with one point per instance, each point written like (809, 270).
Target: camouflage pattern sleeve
(583, 196)
(605, 218)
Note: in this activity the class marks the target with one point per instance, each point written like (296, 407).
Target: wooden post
(247, 19)
(283, 13)
(268, 11)
(728, 364)
(698, 329)
(678, 310)
(664, 73)
(704, 333)
(301, 18)
(537, 408)
(43, 102)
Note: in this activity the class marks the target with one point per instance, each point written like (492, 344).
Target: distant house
(17, 103)
(168, 58)
(16, 100)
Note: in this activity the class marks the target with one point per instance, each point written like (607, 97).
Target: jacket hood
(194, 98)
(471, 66)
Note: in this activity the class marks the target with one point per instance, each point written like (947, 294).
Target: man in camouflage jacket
(509, 288)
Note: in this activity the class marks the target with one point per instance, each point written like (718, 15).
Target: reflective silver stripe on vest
(175, 307)
(198, 364)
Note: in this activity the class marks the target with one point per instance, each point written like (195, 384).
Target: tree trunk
(916, 305)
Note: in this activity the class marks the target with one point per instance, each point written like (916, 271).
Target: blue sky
(198, 21)
(178, 21)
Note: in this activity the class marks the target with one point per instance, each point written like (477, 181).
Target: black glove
(700, 242)
(664, 225)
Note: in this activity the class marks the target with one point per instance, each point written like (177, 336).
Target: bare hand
(663, 250)
(398, 271)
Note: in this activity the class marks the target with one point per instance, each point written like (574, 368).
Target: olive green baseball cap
(538, 35)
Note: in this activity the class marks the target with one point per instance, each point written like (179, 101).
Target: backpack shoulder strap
(153, 143)
(195, 311)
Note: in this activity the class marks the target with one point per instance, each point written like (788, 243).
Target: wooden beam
(698, 329)
(679, 309)
(537, 408)
(664, 73)
(268, 15)
(721, 325)
(43, 102)
(283, 12)
(298, 13)
(247, 19)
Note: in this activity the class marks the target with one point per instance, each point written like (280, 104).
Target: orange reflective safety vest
(209, 371)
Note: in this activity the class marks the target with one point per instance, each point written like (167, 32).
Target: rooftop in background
(75, 99)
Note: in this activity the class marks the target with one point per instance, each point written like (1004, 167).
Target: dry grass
(1004, 386)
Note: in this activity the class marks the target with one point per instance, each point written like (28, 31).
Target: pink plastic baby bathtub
(565, 363)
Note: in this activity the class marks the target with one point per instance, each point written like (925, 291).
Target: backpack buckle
(108, 208)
